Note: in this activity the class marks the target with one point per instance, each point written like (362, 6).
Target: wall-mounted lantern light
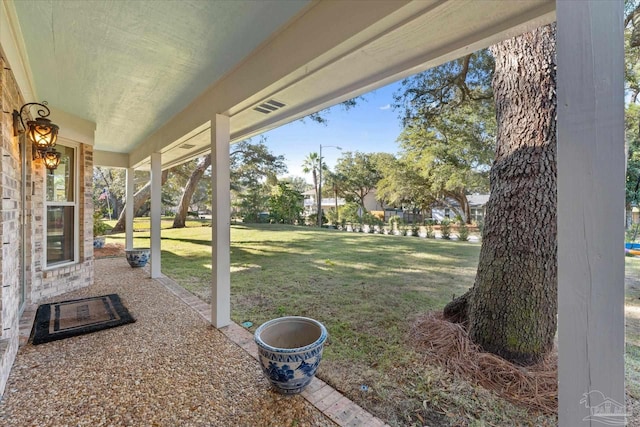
(51, 158)
(42, 133)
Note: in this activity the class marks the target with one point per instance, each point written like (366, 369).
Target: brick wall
(10, 235)
(40, 283)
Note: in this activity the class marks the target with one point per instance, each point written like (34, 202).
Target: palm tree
(311, 165)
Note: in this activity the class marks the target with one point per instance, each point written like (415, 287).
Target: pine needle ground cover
(368, 290)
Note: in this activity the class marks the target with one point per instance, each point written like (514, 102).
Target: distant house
(371, 203)
(439, 211)
(451, 208)
(311, 207)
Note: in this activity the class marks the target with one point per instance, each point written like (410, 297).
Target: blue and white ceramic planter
(138, 257)
(98, 242)
(290, 350)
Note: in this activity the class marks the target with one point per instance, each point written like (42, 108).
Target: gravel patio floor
(169, 368)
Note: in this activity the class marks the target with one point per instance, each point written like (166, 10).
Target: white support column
(591, 182)
(156, 211)
(130, 181)
(221, 223)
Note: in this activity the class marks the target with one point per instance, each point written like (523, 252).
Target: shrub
(332, 216)
(395, 222)
(349, 212)
(429, 230)
(369, 218)
(99, 226)
(463, 232)
(313, 219)
(445, 229)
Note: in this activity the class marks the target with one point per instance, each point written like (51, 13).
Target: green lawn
(367, 289)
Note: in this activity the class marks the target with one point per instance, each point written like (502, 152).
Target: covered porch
(278, 62)
(169, 368)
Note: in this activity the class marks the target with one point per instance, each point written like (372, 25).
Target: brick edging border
(340, 409)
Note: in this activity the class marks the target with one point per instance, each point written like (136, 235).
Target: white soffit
(398, 42)
(421, 36)
(129, 66)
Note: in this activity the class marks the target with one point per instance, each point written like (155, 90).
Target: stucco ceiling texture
(129, 66)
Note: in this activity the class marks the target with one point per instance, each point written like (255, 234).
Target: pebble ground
(169, 368)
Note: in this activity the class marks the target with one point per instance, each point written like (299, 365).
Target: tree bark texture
(513, 304)
(139, 199)
(180, 219)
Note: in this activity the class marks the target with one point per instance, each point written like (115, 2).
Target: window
(477, 214)
(61, 210)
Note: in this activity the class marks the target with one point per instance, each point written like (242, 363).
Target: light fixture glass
(42, 133)
(51, 158)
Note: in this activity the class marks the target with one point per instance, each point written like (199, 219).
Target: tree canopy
(359, 173)
(404, 185)
(285, 204)
(449, 129)
(251, 163)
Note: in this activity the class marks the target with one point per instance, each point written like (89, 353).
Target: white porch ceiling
(129, 66)
(152, 74)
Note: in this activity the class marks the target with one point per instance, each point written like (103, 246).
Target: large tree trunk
(192, 184)
(139, 199)
(512, 306)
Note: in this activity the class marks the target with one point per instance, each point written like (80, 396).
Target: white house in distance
(477, 203)
(148, 85)
(311, 207)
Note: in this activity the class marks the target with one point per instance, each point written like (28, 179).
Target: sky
(371, 126)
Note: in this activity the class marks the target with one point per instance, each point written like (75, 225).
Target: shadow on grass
(367, 289)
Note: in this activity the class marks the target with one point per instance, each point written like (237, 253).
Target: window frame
(75, 204)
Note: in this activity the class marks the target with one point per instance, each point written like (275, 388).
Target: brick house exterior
(35, 282)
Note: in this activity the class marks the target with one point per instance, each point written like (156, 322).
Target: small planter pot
(98, 242)
(290, 350)
(138, 257)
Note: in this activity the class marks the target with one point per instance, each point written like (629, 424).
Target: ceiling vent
(269, 106)
(187, 146)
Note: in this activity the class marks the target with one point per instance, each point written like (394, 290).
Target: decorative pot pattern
(138, 257)
(98, 242)
(290, 350)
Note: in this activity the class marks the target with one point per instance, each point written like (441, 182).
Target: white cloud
(386, 107)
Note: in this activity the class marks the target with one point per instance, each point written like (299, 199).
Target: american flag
(104, 194)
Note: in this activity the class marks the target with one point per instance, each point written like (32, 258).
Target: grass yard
(367, 289)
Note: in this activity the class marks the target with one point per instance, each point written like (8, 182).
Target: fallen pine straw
(534, 387)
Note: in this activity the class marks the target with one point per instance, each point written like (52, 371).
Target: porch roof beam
(313, 68)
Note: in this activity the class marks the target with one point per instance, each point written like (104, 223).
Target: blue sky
(371, 126)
